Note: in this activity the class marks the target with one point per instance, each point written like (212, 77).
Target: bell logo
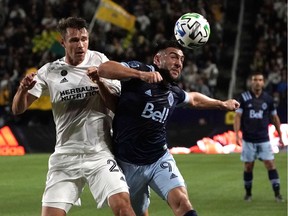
(256, 115)
(158, 116)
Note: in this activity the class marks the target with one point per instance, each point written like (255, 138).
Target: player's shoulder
(48, 67)
(175, 86)
(246, 96)
(177, 89)
(51, 67)
(93, 54)
(267, 97)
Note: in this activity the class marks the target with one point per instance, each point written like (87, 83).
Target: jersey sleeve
(241, 108)
(114, 85)
(135, 65)
(40, 87)
(183, 96)
(103, 57)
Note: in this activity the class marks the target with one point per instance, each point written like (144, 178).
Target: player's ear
(156, 59)
(62, 42)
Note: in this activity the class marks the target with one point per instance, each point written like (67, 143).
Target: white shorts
(68, 174)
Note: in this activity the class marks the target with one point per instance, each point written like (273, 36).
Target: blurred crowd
(22, 21)
(270, 53)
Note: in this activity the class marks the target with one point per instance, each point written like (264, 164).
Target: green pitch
(214, 183)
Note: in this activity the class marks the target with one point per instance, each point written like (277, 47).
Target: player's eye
(73, 40)
(84, 39)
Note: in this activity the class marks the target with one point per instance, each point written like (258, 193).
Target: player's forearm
(236, 125)
(19, 104)
(276, 122)
(200, 101)
(110, 99)
(115, 70)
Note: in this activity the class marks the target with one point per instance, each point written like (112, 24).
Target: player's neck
(257, 92)
(72, 61)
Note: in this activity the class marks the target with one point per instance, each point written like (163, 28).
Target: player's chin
(79, 57)
(174, 78)
(174, 75)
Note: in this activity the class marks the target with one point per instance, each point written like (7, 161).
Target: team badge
(170, 99)
(264, 106)
(63, 72)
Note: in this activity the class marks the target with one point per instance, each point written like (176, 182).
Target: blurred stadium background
(245, 36)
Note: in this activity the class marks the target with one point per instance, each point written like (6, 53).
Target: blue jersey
(139, 125)
(256, 114)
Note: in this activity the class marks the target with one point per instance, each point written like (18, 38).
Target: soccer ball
(192, 30)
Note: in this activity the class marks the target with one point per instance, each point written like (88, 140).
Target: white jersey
(81, 118)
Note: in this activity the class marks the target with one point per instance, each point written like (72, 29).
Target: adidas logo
(173, 176)
(148, 92)
(123, 179)
(64, 80)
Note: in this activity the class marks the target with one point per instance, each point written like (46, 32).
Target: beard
(166, 75)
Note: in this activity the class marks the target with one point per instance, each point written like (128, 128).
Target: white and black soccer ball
(192, 30)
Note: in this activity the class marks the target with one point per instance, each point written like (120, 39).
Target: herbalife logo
(64, 80)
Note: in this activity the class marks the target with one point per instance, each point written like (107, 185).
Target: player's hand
(27, 82)
(238, 141)
(231, 104)
(281, 143)
(92, 73)
(151, 77)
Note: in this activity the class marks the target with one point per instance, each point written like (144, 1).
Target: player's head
(75, 39)
(257, 81)
(169, 57)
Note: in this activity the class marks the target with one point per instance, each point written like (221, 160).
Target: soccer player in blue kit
(139, 125)
(253, 118)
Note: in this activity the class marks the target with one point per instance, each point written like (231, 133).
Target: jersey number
(114, 167)
(166, 165)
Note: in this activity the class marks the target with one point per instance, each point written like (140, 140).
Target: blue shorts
(162, 176)
(252, 151)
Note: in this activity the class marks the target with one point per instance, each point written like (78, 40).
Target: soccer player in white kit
(83, 126)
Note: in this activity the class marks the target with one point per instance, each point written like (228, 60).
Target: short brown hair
(71, 22)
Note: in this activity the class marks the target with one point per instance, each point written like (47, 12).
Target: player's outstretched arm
(115, 70)
(201, 101)
(22, 99)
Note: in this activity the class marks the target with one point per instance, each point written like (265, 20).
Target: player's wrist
(23, 88)
(221, 104)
